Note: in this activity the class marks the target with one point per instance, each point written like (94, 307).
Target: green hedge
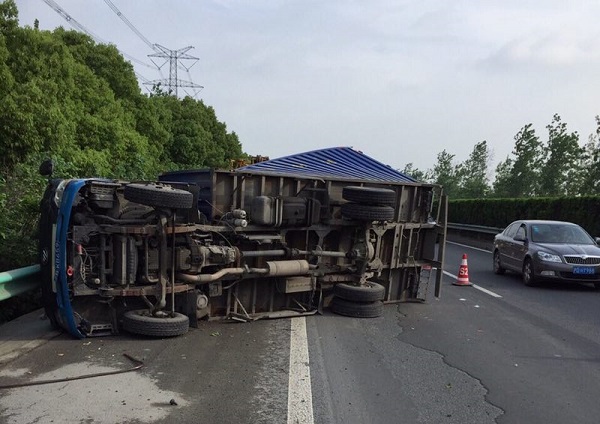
(501, 212)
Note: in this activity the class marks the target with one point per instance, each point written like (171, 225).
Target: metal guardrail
(21, 280)
(18, 281)
(474, 228)
(473, 235)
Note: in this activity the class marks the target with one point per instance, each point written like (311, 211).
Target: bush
(20, 194)
(501, 212)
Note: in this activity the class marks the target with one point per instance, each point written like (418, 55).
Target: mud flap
(186, 304)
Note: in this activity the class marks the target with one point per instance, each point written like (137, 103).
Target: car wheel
(141, 322)
(528, 273)
(498, 269)
(367, 292)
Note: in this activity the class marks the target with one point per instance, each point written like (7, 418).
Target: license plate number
(584, 270)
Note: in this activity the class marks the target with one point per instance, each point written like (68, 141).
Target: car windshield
(559, 233)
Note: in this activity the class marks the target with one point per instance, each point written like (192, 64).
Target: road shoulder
(24, 334)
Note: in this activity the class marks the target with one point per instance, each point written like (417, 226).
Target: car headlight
(548, 257)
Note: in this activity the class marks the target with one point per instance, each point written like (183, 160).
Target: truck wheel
(141, 322)
(369, 195)
(368, 292)
(368, 212)
(355, 309)
(50, 305)
(158, 195)
(51, 313)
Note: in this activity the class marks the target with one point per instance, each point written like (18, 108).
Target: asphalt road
(536, 350)
(529, 356)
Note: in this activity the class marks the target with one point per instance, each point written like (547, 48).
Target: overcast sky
(398, 80)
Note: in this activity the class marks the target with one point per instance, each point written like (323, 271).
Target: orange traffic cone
(463, 273)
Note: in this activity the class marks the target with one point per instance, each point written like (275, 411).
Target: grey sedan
(548, 250)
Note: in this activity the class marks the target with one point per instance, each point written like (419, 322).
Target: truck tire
(141, 322)
(50, 304)
(158, 195)
(368, 292)
(51, 311)
(368, 212)
(369, 195)
(356, 309)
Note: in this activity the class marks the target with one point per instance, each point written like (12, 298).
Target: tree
(519, 176)
(502, 183)
(65, 97)
(473, 173)
(444, 173)
(590, 164)
(528, 151)
(9, 17)
(560, 173)
(415, 173)
(195, 137)
(105, 61)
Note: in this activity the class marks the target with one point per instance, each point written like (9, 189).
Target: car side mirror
(46, 168)
(520, 238)
(597, 239)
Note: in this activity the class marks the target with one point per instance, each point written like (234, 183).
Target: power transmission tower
(173, 57)
(97, 39)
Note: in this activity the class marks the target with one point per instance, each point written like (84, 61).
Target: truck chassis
(154, 257)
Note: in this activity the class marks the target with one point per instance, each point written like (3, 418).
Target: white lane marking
(491, 293)
(470, 247)
(300, 409)
(486, 291)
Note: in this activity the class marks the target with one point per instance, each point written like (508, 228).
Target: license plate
(584, 270)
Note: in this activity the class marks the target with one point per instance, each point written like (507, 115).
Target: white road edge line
(300, 409)
(475, 286)
(470, 247)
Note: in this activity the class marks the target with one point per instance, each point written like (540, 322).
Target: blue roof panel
(333, 162)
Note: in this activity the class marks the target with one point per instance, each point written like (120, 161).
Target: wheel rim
(527, 272)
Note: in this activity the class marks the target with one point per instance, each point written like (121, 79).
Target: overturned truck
(328, 229)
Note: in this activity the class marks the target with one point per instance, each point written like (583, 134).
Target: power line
(83, 29)
(129, 24)
(72, 21)
(173, 57)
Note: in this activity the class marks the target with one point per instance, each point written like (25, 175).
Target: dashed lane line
(475, 286)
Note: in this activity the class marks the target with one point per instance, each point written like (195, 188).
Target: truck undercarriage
(154, 257)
